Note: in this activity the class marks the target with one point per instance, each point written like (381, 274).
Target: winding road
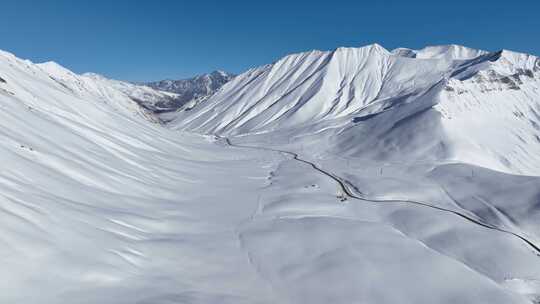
(350, 192)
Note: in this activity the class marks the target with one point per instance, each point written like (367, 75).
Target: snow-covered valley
(358, 175)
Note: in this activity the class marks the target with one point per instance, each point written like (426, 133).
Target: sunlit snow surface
(99, 203)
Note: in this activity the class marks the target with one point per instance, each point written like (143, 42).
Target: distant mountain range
(190, 89)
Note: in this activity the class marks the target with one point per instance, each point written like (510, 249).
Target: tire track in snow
(351, 192)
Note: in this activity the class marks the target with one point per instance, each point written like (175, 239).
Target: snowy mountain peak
(310, 87)
(191, 91)
(451, 52)
(375, 47)
(372, 49)
(122, 96)
(521, 60)
(447, 52)
(221, 73)
(404, 52)
(4, 55)
(368, 90)
(94, 76)
(56, 70)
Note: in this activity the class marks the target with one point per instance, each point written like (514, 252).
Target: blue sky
(150, 40)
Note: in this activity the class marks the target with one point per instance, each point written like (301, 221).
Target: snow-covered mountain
(192, 90)
(399, 176)
(90, 85)
(306, 88)
(482, 108)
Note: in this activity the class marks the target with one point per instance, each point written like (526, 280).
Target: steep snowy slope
(97, 205)
(152, 100)
(95, 86)
(100, 205)
(491, 113)
(345, 89)
(310, 87)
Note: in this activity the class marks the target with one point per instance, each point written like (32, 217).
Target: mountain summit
(364, 93)
(192, 89)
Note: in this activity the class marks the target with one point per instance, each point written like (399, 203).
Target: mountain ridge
(191, 90)
(102, 201)
(348, 87)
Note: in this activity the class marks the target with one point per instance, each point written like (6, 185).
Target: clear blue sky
(150, 40)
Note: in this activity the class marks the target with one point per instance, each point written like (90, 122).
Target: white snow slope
(391, 195)
(480, 98)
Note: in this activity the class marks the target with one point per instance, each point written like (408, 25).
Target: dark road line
(346, 189)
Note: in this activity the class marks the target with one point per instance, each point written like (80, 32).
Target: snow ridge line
(346, 189)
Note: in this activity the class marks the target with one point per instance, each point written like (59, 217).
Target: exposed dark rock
(195, 88)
